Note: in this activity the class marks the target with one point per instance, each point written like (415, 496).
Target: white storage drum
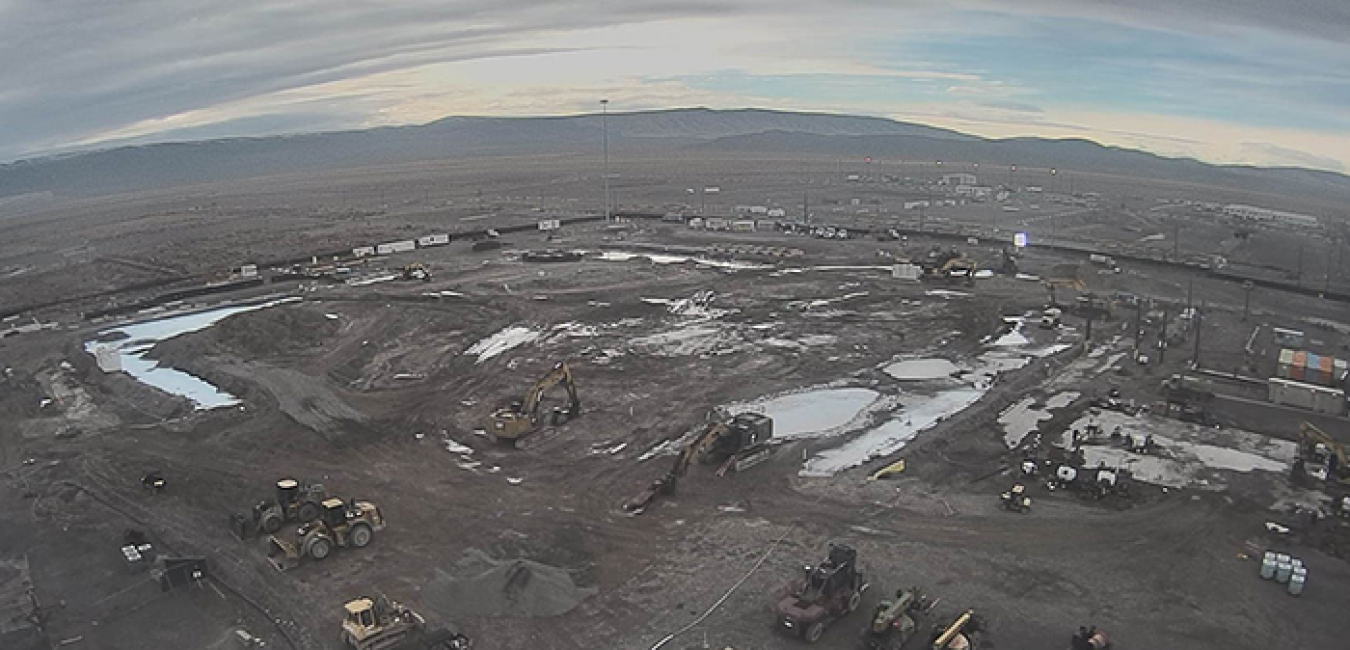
(1268, 566)
(1297, 580)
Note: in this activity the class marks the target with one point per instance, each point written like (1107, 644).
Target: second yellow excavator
(520, 418)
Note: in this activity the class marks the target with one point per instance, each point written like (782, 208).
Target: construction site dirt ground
(381, 392)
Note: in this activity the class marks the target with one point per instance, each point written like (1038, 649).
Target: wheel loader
(295, 501)
(823, 595)
(382, 624)
(341, 524)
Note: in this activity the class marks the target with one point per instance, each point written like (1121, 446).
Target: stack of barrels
(1285, 570)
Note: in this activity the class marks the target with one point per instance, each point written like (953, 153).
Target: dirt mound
(481, 586)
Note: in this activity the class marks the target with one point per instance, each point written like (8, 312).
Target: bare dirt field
(380, 389)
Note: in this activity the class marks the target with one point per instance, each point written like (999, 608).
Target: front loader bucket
(240, 526)
(282, 555)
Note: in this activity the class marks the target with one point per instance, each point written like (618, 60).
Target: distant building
(974, 191)
(1266, 215)
(958, 179)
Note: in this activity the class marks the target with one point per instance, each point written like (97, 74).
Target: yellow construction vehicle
(949, 265)
(738, 443)
(380, 623)
(962, 634)
(341, 524)
(1321, 456)
(518, 420)
(295, 501)
(416, 271)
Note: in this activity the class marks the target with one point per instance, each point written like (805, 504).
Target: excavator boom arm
(559, 374)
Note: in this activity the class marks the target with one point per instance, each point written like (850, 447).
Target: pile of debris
(481, 586)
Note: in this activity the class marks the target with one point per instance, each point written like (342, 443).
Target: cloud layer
(1223, 80)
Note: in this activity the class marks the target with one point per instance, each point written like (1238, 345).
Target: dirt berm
(481, 586)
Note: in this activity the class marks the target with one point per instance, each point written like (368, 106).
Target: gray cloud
(74, 69)
(1016, 107)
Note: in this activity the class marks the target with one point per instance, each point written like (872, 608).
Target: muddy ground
(378, 390)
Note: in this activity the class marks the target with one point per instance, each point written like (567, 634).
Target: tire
(309, 511)
(361, 535)
(271, 522)
(854, 600)
(814, 631)
(320, 547)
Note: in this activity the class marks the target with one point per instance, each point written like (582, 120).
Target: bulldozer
(1016, 499)
(738, 443)
(962, 634)
(520, 418)
(416, 271)
(893, 622)
(1321, 457)
(824, 594)
(295, 501)
(382, 624)
(341, 524)
(949, 266)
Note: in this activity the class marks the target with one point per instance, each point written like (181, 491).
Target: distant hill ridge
(131, 168)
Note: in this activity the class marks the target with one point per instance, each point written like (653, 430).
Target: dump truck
(382, 624)
(341, 524)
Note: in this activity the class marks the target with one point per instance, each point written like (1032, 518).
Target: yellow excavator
(950, 266)
(738, 443)
(520, 418)
(1321, 456)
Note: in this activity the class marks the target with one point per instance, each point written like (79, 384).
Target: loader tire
(271, 522)
(361, 535)
(814, 631)
(319, 548)
(309, 511)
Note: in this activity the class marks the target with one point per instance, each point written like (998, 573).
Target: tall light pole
(604, 138)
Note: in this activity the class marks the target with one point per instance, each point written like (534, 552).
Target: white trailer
(363, 251)
(550, 224)
(428, 241)
(389, 248)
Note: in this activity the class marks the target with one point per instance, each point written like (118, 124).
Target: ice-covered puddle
(918, 414)
(140, 338)
(818, 412)
(1020, 419)
(1188, 456)
(506, 339)
(921, 369)
(660, 258)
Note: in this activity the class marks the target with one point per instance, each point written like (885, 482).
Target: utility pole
(604, 138)
(1138, 325)
(1326, 287)
(1195, 358)
(1162, 338)
(1176, 240)
(1190, 292)
(1300, 265)
(1247, 286)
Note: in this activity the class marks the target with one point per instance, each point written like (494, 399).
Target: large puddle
(142, 337)
(894, 434)
(811, 413)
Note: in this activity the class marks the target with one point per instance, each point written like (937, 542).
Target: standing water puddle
(814, 412)
(142, 337)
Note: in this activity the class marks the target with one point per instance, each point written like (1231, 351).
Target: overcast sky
(1251, 81)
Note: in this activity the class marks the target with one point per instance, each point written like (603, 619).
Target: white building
(1266, 215)
(958, 179)
(974, 191)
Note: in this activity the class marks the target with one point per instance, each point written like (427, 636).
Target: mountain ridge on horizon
(143, 166)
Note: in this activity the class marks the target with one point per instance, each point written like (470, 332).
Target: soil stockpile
(481, 586)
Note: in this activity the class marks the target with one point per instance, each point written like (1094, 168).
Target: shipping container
(432, 240)
(1298, 365)
(715, 223)
(363, 251)
(1307, 396)
(403, 246)
(743, 226)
